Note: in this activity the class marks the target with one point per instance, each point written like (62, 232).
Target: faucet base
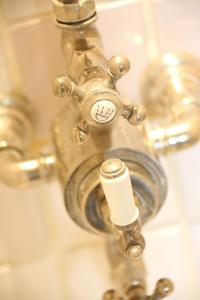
(84, 197)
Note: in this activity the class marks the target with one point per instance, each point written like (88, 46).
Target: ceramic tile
(22, 229)
(183, 176)
(5, 85)
(178, 25)
(7, 291)
(18, 9)
(195, 235)
(170, 212)
(38, 72)
(37, 280)
(125, 38)
(188, 166)
(86, 272)
(14, 9)
(3, 254)
(34, 223)
(167, 255)
(62, 231)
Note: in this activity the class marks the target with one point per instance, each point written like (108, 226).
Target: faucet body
(96, 125)
(79, 164)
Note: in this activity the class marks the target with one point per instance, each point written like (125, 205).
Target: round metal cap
(112, 168)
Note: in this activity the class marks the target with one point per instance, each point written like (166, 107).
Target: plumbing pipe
(176, 136)
(19, 172)
(170, 92)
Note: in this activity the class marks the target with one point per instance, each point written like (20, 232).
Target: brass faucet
(91, 80)
(170, 93)
(103, 144)
(130, 278)
(95, 106)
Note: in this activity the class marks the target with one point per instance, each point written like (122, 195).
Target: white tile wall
(195, 234)
(37, 280)
(21, 219)
(7, 290)
(167, 255)
(86, 271)
(14, 9)
(43, 254)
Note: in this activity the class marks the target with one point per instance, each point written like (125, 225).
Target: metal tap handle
(100, 102)
(63, 86)
(124, 213)
(112, 295)
(116, 183)
(164, 288)
(118, 67)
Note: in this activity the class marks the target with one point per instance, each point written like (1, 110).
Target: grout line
(185, 234)
(28, 20)
(151, 31)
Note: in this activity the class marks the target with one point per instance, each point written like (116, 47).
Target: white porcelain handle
(116, 183)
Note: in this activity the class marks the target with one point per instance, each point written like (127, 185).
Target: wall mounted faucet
(106, 150)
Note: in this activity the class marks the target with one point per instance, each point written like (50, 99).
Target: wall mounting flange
(84, 192)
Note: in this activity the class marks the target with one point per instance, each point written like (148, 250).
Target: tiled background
(43, 255)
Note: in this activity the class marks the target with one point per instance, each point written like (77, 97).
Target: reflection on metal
(170, 92)
(97, 126)
(92, 80)
(101, 135)
(19, 168)
(130, 278)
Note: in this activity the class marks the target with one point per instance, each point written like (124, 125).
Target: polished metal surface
(91, 81)
(171, 93)
(94, 115)
(20, 168)
(69, 13)
(130, 278)
(98, 131)
(112, 168)
(84, 198)
(99, 140)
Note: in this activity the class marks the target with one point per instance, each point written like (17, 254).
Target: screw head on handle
(164, 288)
(132, 242)
(135, 114)
(80, 133)
(118, 66)
(112, 168)
(134, 252)
(62, 86)
(112, 295)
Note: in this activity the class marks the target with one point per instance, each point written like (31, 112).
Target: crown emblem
(103, 111)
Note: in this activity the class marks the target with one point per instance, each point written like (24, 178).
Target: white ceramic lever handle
(116, 183)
